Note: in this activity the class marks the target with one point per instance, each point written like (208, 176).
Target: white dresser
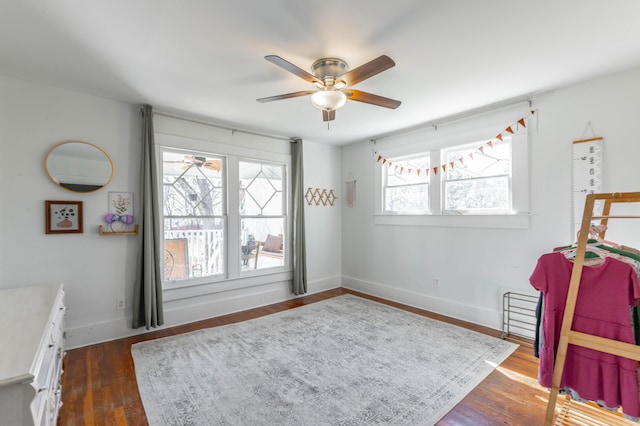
(31, 351)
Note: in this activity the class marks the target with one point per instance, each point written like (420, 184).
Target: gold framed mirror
(79, 166)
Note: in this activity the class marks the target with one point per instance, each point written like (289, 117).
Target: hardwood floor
(99, 384)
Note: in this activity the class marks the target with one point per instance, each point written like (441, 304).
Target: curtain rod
(457, 117)
(207, 123)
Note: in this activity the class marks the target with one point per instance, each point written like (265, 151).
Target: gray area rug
(342, 361)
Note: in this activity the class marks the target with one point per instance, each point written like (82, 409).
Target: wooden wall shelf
(103, 232)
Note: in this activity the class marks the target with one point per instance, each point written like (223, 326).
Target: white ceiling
(205, 58)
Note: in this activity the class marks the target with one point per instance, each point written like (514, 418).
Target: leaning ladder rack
(567, 334)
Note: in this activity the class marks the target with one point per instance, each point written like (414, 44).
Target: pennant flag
(451, 165)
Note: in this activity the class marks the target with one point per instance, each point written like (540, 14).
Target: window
(479, 181)
(223, 216)
(406, 185)
(485, 187)
(194, 215)
(262, 214)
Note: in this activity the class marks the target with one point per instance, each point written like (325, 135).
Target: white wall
(96, 270)
(323, 223)
(475, 265)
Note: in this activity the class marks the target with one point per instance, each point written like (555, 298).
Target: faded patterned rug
(342, 361)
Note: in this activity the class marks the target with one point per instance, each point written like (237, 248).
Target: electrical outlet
(120, 303)
(436, 282)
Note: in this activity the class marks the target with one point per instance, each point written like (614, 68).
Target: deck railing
(205, 250)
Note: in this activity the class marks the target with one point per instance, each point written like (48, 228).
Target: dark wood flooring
(99, 383)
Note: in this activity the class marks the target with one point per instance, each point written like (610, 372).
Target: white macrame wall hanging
(351, 191)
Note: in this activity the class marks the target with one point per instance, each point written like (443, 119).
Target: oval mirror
(79, 166)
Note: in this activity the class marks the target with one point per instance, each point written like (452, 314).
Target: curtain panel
(147, 293)
(299, 255)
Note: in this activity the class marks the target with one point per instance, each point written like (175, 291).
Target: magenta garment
(606, 292)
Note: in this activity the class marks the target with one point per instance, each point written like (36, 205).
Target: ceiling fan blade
(328, 115)
(286, 96)
(370, 98)
(368, 70)
(292, 69)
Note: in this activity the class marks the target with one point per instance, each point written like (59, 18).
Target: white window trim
(234, 279)
(519, 219)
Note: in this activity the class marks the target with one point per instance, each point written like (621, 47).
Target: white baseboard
(195, 309)
(481, 316)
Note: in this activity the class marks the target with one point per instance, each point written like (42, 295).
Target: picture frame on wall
(121, 203)
(63, 217)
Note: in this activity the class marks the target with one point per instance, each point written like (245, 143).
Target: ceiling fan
(333, 80)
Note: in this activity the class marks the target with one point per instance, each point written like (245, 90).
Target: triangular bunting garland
(500, 137)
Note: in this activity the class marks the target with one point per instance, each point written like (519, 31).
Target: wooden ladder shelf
(567, 334)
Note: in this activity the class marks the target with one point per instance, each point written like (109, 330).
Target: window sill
(506, 221)
(195, 289)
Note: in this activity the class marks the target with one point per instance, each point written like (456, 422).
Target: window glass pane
(407, 198)
(261, 189)
(398, 173)
(491, 162)
(193, 248)
(192, 185)
(484, 193)
(262, 243)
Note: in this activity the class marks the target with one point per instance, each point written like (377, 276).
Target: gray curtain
(147, 292)
(299, 251)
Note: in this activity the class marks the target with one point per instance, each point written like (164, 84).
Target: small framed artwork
(120, 217)
(63, 217)
(121, 203)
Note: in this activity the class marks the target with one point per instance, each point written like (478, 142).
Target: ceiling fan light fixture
(328, 100)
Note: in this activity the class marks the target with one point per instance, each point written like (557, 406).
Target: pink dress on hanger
(605, 296)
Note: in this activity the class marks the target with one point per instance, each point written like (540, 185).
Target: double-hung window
(194, 211)
(406, 185)
(262, 214)
(477, 181)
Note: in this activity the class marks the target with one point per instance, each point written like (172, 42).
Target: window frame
(234, 278)
(223, 212)
(517, 218)
(285, 216)
(385, 185)
(444, 180)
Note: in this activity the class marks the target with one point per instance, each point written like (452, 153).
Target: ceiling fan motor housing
(329, 67)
